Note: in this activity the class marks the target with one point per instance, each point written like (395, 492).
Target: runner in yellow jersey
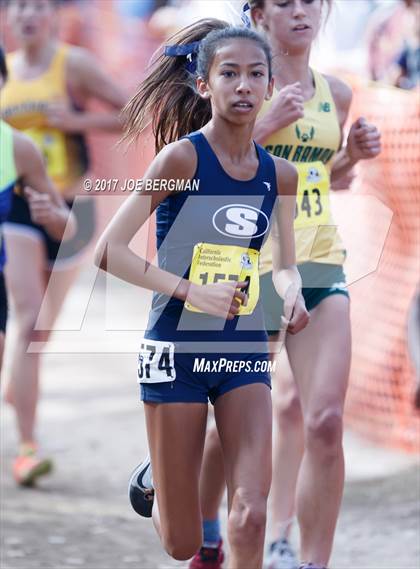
(22, 162)
(303, 123)
(49, 88)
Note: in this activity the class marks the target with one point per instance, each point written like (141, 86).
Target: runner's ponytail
(167, 99)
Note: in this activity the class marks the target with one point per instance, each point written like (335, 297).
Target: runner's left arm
(46, 206)
(363, 141)
(286, 277)
(88, 80)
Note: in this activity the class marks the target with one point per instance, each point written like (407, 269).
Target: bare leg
(176, 433)
(58, 283)
(243, 418)
(320, 360)
(27, 281)
(212, 479)
(287, 448)
(1, 349)
(26, 294)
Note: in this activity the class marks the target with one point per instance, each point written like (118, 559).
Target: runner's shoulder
(26, 152)
(83, 67)
(287, 176)
(78, 57)
(341, 92)
(177, 160)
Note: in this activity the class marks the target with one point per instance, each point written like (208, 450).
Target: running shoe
(282, 556)
(140, 489)
(311, 566)
(208, 558)
(28, 467)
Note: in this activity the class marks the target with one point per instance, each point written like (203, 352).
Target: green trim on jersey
(8, 173)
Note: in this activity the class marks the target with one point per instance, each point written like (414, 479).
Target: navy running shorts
(166, 376)
(19, 220)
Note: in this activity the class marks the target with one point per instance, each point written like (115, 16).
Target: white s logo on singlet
(240, 221)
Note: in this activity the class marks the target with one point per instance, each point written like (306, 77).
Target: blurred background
(374, 46)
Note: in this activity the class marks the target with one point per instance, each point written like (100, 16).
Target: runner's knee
(26, 321)
(247, 519)
(325, 429)
(182, 544)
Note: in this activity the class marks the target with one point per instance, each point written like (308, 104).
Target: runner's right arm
(177, 160)
(286, 108)
(46, 205)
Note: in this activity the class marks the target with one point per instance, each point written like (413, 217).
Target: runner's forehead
(240, 51)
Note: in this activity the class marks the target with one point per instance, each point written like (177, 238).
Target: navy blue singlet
(224, 211)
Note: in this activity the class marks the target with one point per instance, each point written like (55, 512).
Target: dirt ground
(92, 424)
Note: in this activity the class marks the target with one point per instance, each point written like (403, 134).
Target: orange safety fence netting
(382, 380)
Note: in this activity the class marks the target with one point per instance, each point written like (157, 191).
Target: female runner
(49, 87)
(205, 321)
(21, 162)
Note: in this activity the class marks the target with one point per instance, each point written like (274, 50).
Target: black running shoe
(140, 489)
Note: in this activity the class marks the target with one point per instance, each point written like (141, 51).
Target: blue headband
(187, 50)
(244, 16)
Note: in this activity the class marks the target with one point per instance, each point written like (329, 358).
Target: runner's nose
(243, 86)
